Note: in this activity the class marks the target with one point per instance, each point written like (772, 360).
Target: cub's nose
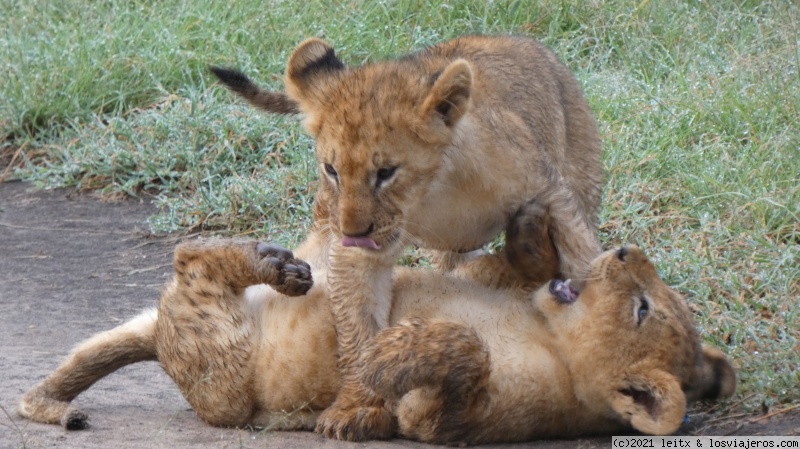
(364, 233)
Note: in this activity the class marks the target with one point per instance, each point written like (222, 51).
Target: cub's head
(381, 131)
(631, 344)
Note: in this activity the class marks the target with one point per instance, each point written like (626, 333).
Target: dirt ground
(72, 265)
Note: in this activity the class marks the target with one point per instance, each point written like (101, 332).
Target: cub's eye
(385, 174)
(644, 309)
(331, 171)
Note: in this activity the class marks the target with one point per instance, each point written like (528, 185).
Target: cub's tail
(444, 366)
(276, 102)
(90, 361)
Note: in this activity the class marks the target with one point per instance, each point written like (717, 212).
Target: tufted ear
(309, 63)
(652, 402)
(449, 97)
(715, 378)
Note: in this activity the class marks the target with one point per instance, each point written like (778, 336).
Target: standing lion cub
(439, 148)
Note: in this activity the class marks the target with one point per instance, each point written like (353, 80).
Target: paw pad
(293, 275)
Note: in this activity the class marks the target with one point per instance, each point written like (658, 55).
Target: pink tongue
(361, 242)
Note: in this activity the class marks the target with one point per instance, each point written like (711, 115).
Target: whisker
(405, 222)
(405, 238)
(324, 229)
(585, 279)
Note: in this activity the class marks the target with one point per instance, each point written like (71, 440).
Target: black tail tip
(75, 420)
(231, 77)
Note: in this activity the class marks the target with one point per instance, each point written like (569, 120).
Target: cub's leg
(435, 377)
(528, 259)
(205, 333)
(97, 357)
(237, 264)
(360, 298)
(572, 229)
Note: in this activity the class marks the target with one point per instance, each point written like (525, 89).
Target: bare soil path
(72, 265)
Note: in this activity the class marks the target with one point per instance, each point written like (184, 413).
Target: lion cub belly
(296, 364)
(526, 370)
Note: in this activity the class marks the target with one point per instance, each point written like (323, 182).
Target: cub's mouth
(361, 242)
(369, 243)
(563, 292)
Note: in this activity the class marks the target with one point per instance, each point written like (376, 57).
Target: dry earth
(72, 265)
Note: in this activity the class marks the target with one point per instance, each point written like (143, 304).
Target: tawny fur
(438, 148)
(475, 127)
(459, 362)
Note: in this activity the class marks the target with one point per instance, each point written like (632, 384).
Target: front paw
(356, 423)
(529, 247)
(281, 271)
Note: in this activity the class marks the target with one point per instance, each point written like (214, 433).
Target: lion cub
(439, 148)
(458, 363)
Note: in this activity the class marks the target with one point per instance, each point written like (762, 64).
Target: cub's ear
(308, 67)
(715, 378)
(449, 97)
(652, 402)
(309, 63)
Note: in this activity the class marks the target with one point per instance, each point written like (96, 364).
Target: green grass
(697, 102)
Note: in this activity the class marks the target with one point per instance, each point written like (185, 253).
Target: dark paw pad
(296, 279)
(282, 271)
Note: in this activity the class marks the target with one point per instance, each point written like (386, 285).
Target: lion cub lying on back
(460, 362)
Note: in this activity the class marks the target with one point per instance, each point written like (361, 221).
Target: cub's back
(521, 75)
